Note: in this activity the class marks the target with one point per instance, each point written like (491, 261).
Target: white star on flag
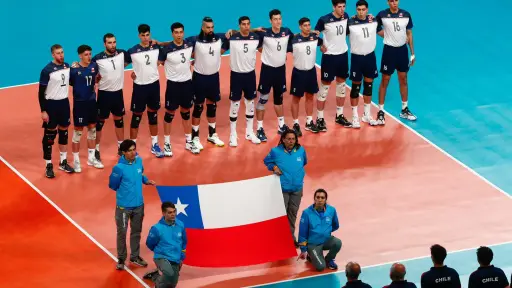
(180, 208)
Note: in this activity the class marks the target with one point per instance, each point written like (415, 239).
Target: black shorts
(179, 94)
(110, 102)
(59, 113)
(242, 82)
(334, 66)
(394, 58)
(145, 96)
(85, 113)
(304, 81)
(272, 78)
(363, 66)
(206, 87)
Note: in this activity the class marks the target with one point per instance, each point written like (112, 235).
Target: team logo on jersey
(284, 34)
(179, 234)
(252, 37)
(138, 49)
(79, 73)
(92, 70)
(400, 15)
(54, 68)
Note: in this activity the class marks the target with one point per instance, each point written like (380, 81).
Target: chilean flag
(233, 224)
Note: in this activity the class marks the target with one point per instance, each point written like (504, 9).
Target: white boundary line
(71, 220)
(375, 265)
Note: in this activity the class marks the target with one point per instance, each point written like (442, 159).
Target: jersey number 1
(113, 64)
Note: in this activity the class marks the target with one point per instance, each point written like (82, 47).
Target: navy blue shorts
(59, 113)
(110, 102)
(334, 66)
(272, 78)
(304, 82)
(145, 95)
(363, 66)
(242, 82)
(85, 113)
(179, 94)
(206, 87)
(394, 58)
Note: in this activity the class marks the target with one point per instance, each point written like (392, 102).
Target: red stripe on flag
(245, 245)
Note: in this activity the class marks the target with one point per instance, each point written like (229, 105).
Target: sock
(404, 105)
(63, 156)
(339, 110)
(91, 153)
(167, 139)
(98, 146)
(48, 161)
(260, 124)
(76, 158)
(211, 129)
(366, 109)
(118, 143)
(232, 124)
(188, 137)
(249, 126)
(381, 107)
(280, 121)
(296, 121)
(195, 128)
(309, 119)
(134, 140)
(320, 114)
(212, 125)
(354, 111)
(154, 140)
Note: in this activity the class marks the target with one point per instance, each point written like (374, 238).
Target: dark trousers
(134, 217)
(170, 274)
(291, 205)
(316, 252)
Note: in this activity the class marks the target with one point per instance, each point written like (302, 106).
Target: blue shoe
(332, 265)
(157, 151)
(260, 133)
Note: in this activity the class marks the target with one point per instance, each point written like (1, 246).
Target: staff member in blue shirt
(168, 240)
(126, 179)
(317, 223)
(287, 160)
(487, 276)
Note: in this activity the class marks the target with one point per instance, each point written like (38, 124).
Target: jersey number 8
(308, 50)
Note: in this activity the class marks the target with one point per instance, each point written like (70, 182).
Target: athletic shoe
(151, 275)
(296, 127)
(78, 167)
(355, 122)
(369, 119)
(214, 139)
(253, 138)
(191, 146)
(343, 121)
(97, 154)
(320, 124)
(332, 265)
(138, 261)
(233, 140)
(260, 133)
(380, 118)
(49, 171)
(407, 114)
(197, 143)
(157, 151)
(167, 150)
(120, 265)
(95, 163)
(64, 166)
(282, 129)
(311, 127)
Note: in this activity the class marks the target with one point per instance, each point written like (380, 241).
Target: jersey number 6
(278, 46)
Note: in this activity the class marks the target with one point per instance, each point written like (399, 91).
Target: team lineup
(192, 66)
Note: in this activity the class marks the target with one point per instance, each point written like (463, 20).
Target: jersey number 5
(147, 59)
(246, 48)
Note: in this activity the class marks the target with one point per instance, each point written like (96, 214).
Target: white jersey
(145, 63)
(56, 79)
(395, 26)
(243, 50)
(304, 51)
(207, 53)
(275, 46)
(363, 35)
(177, 61)
(111, 69)
(334, 31)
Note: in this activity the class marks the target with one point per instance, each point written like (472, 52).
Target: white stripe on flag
(241, 202)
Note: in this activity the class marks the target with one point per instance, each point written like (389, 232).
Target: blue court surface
(458, 87)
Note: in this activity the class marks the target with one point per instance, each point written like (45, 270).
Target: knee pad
(153, 117)
(119, 123)
(49, 137)
(367, 88)
(185, 115)
(233, 110)
(211, 110)
(322, 94)
(340, 89)
(63, 137)
(91, 134)
(262, 101)
(168, 117)
(249, 108)
(100, 123)
(278, 99)
(354, 93)
(135, 121)
(198, 110)
(77, 134)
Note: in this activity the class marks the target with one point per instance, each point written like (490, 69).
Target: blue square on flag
(186, 200)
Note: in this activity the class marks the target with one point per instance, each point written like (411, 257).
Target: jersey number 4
(211, 52)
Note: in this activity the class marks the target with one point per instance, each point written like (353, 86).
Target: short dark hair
(438, 253)
(320, 190)
(274, 12)
(303, 20)
(362, 3)
(55, 47)
(144, 28)
(208, 19)
(336, 2)
(352, 270)
(484, 255)
(177, 25)
(126, 144)
(166, 205)
(243, 18)
(82, 48)
(106, 36)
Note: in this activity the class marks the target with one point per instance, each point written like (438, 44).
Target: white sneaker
(191, 146)
(253, 138)
(355, 122)
(197, 143)
(233, 140)
(77, 166)
(95, 163)
(214, 139)
(167, 150)
(367, 118)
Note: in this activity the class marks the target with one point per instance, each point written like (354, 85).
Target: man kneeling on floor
(317, 223)
(168, 240)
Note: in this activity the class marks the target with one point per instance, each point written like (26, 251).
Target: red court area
(395, 194)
